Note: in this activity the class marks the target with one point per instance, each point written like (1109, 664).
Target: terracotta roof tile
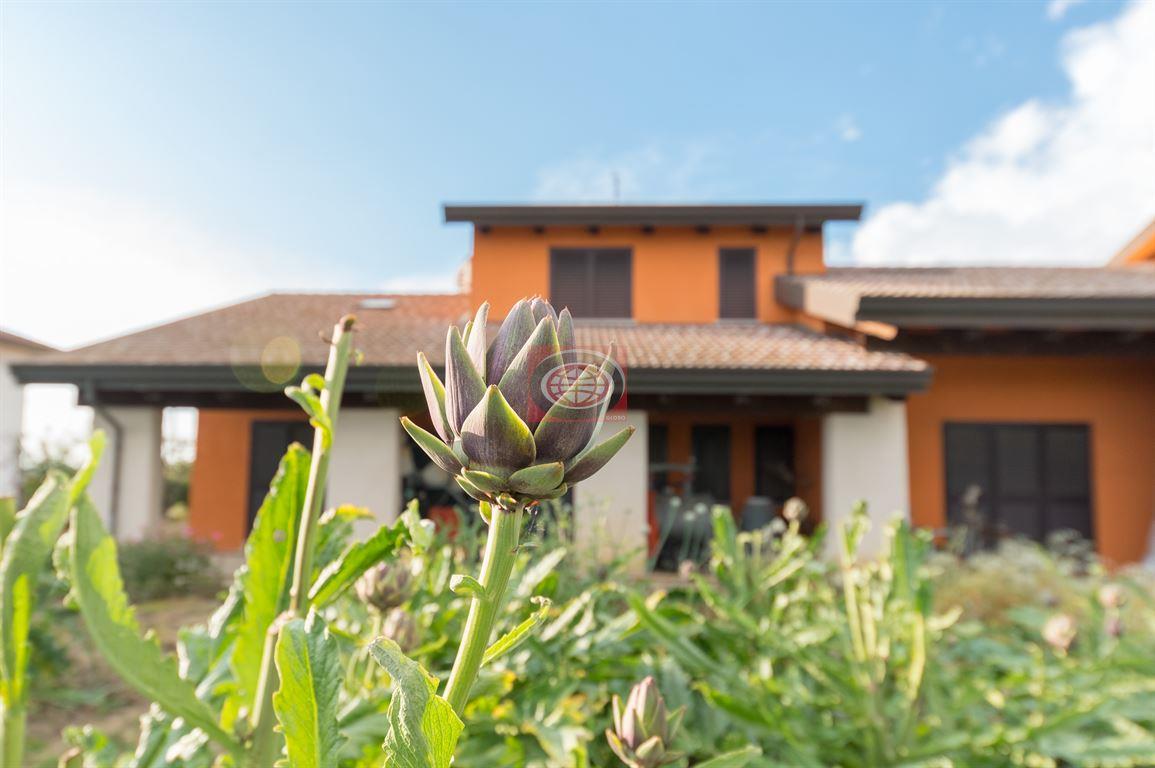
(989, 282)
(241, 333)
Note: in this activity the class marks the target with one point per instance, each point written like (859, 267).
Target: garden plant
(329, 650)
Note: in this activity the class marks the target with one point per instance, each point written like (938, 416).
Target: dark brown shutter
(736, 287)
(569, 284)
(613, 289)
(592, 282)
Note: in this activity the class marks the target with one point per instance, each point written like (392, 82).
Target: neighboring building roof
(973, 297)
(1139, 250)
(7, 337)
(807, 215)
(207, 350)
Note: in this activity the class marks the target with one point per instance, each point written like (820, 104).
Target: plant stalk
(12, 735)
(340, 350)
(496, 566)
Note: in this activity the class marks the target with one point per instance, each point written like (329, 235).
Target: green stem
(497, 564)
(340, 349)
(12, 736)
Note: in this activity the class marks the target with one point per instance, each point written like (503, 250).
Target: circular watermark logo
(564, 379)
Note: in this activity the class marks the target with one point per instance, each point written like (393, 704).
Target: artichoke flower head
(514, 421)
(644, 729)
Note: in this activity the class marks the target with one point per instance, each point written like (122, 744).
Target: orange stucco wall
(219, 486)
(1140, 250)
(1115, 397)
(675, 269)
(807, 450)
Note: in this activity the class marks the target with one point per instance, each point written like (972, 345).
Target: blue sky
(187, 154)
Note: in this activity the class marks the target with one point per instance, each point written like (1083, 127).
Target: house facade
(13, 348)
(754, 373)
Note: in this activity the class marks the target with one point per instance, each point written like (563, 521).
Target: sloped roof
(1025, 297)
(7, 337)
(240, 334)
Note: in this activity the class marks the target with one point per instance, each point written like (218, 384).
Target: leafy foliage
(99, 593)
(309, 667)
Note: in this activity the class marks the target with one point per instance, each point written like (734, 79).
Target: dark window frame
(727, 308)
(586, 306)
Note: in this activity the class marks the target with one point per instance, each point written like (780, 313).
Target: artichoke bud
(388, 585)
(400, 627)
(643, 729)
(514, 421)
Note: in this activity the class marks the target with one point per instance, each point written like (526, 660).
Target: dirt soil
(90, 693)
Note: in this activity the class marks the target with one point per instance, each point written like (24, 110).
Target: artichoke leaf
(597, 457)
(538, 479)
(495, 438)
(515, 331)
(438, 451)
(464, 386)
(434, 397)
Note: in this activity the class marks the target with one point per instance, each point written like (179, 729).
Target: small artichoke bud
(517, 420)
(643, 730)
(387, 585)
(1111, 596)
(400, 627)
(1060, 631)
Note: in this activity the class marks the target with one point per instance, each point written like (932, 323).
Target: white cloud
(423, 282)
(1057, 9)
(654, 172)
(77, 265)
(1065, 183)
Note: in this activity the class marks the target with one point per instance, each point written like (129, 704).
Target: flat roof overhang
(807, 215)
(848, 308)
(190, 383)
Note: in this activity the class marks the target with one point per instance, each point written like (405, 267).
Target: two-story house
(753, 373)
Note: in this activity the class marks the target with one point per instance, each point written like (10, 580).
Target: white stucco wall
(864, 458)
(611, 508)
(366, 466)
(141, 483)
(11, 410)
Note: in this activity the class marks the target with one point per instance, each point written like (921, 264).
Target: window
(1029, 479)
(736, 286)
(592, 282)
(711, 446)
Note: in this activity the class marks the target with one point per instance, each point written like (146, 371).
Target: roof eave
(404, 379)
(808, 215)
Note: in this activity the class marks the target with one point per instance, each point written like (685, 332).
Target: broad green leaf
(358, 558)
(736, 759)
(112, 625)
(518, 634)
(27, 552)
(309, 668)
(423, 728)
(334, 531)
(265, 578)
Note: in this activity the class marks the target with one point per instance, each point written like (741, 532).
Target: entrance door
(1030, 479)
(270, 439)
(774, 463)
(711, 446)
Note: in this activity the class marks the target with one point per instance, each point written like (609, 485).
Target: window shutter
(592, 282)
(569, 284)
(613, 289)
(736, 286)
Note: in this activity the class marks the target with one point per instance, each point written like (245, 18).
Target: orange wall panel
(675, 276)
(219, 486)
(1115, 397)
